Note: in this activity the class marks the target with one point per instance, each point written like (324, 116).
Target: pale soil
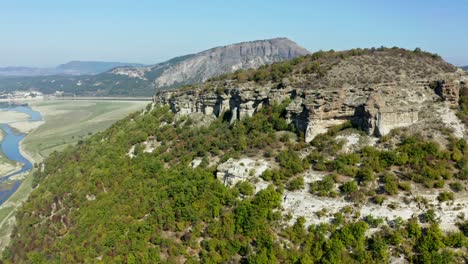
(7, 168)
(26, 126)
(303, 203)
(12, 116)
(236, 170)
(351, 140)
(451, 120)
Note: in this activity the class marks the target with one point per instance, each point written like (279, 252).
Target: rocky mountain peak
(201, 66)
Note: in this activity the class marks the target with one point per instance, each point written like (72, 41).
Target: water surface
(10, 147)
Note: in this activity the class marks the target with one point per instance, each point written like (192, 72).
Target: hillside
(465, 68)
(142, 81)
(333, 157)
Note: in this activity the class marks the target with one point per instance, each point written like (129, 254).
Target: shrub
(322, 187)
(373, 221)
(365, 175)
(245, 188)
(390, 184)
(378, 199)
(429, 216)
(445, 196)
(290, 161)
(267, 175)
(295, 184)
(405, 186)
(348, 187)
(456, 186)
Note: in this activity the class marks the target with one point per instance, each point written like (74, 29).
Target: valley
(60, 124)
(141, 81)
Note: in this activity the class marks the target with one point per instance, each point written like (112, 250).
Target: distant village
(29, 95)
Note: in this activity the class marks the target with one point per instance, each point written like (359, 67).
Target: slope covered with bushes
(94, 203)
(133, 194)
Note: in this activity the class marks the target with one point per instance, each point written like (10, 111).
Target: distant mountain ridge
(465, 68)
(199, 67)
(188, 69)
(69, 68)
(93, 67)
(26, 71)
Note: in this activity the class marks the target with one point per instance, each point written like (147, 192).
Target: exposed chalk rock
(234, 171)
(376, 105)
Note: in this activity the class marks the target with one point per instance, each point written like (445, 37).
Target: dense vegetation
(94, 203)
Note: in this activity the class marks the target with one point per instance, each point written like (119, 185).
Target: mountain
(199, 67)
(70, 68)
(26, 71)
(92, 67)
(465, 68)
(334, 157)
(188, 69)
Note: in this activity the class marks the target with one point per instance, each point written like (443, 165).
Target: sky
(46, 33)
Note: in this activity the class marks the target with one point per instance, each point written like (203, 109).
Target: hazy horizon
(148, 33)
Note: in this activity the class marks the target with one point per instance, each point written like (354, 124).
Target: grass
(66, 122)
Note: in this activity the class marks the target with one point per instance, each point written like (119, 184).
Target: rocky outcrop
(449, 92)
(234, 171)
(377, 109)
(377, 105)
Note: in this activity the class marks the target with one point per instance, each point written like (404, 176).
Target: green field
(65, 123)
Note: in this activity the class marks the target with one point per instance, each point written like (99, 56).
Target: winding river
(10, 147)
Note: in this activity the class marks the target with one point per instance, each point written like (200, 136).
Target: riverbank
(21, 180)
(6, 165)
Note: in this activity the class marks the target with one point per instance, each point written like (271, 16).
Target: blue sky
(50, 32)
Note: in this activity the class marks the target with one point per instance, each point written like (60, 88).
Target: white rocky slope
(204, 65)
(316, 209)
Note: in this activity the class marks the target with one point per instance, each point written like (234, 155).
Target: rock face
(377, 106)
(204, 65)
(234, 171)
(449, 91)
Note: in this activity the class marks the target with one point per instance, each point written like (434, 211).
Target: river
(10, 147)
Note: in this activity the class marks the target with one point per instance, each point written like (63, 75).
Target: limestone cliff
(199, 67)
(377, 91)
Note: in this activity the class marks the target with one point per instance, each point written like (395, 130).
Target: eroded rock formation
(376, 105)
